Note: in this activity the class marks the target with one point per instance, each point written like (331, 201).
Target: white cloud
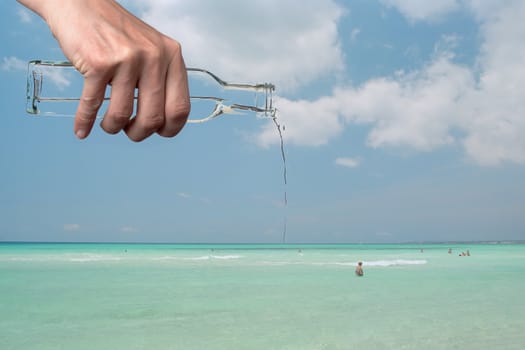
(494, 113)
(307, 123)
(416, 110)
(206, 200)
(129, 229)
(293, 43)
(183, 195)
(60, 77)
(71, 227)
(481, 108)
(355, 32)
(347, 162)
(288, 43)
(13, 64)
(25, 15)
(423, 10)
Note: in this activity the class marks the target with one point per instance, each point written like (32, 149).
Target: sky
(404, 121)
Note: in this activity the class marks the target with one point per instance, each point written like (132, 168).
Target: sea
(261, 296)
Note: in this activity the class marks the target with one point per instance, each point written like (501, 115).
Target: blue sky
(404, 122)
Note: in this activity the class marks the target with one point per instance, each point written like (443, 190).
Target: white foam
(181, 258)
(377, 263)
(92, 258)
(199, 258)
(396, 262)
(66, 257)
(226, 257)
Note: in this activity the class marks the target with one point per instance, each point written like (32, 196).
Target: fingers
(150, 104)
(163, 99)
(163, 102)
(120, 108)
(177, 99)
(90, 102)
(111, 46)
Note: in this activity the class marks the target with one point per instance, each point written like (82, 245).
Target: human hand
(108, 45)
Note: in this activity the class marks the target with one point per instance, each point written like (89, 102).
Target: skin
(359, 269)
(110, 46)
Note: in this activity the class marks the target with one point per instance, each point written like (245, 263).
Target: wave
(396, 262)
(231, 258)
(376, 263)
(198, 258)
(61, 258)
(226, 257)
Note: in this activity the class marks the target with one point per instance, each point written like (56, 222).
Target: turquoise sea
(139, 296)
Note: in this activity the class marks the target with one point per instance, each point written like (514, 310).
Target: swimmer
(359, 269)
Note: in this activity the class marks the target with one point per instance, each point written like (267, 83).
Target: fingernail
(81, 134)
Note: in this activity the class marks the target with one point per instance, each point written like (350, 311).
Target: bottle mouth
(262, 103)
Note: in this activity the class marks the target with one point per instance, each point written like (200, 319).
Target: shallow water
(116, 296)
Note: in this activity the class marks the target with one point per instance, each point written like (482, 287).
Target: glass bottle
(53, 87)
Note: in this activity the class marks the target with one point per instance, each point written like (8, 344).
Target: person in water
(359, 269)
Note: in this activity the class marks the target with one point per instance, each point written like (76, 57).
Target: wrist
(41, 8)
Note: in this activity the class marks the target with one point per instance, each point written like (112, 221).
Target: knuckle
(84, 117)
(176, 121)
(120, 118)
(180, 111)
(175, 46)
(90, 104)
(115, 121)
(154, 53)
(97, 66)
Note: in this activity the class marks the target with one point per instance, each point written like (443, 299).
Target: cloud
(307, 123)
(25, 15)
(288, 43)
(12, 64)
(129, 229)
(348, 162)
(183, 195)
(205, 200)
(60, 77)
(443, 103)
(354, 33)
(384, 234)
(494, 112)
(293, 43)
(71, 227)
(415, 109)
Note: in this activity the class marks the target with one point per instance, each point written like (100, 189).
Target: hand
(109, 45)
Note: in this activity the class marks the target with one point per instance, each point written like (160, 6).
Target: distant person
(359, 269)
(468, 252)
(450, 250)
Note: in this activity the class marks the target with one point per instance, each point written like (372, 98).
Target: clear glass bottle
(54, 87)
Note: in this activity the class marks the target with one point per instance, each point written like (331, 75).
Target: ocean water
(136, 296)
